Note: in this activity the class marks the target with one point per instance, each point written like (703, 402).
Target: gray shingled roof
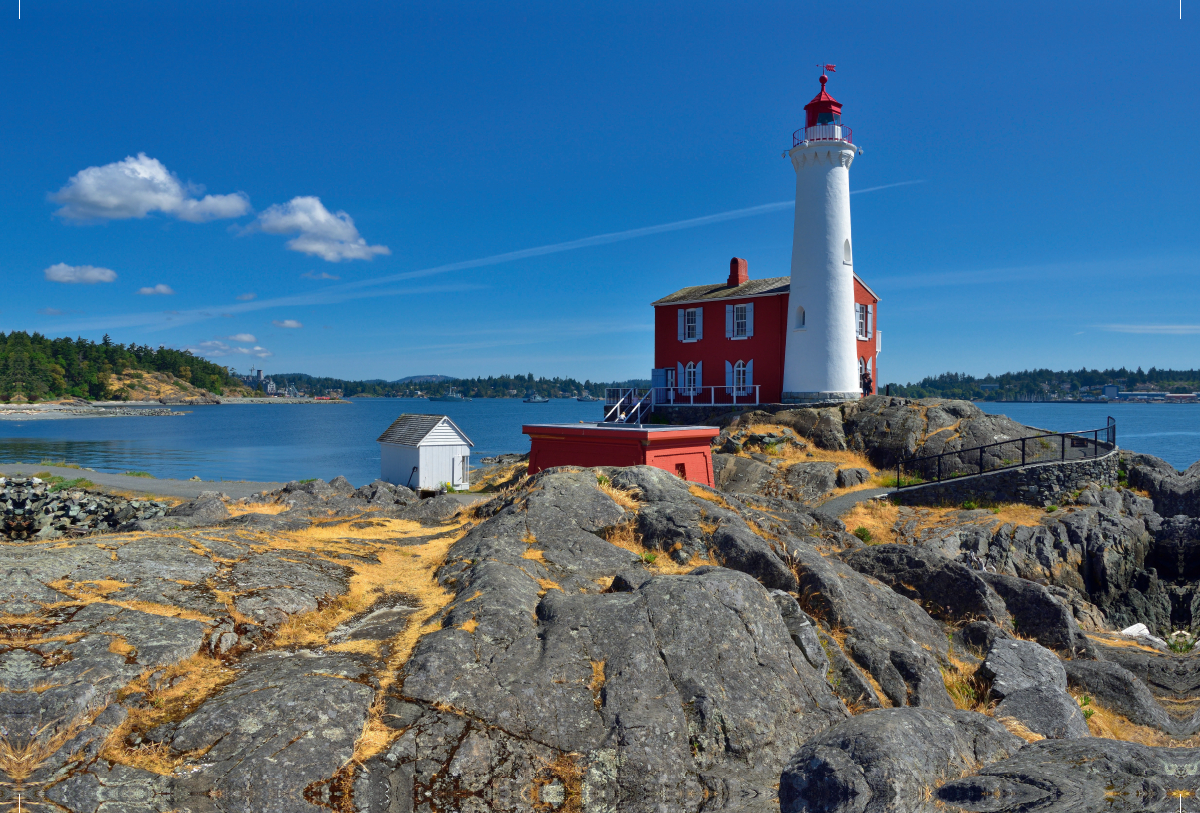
(754, 287)
(410, 430)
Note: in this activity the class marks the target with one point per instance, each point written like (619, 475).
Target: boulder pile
(33, 509)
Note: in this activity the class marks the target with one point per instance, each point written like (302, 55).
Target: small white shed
(425, 452)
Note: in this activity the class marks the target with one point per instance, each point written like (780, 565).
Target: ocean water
(270, 442)
(1169, 431)
(280, 443)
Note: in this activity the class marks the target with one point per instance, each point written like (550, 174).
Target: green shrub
(649, 558)
(137, 474)
(969, 505)
(1087, 713)
(1050, 509)
(863, 533)
(602, 480)
(79, 482)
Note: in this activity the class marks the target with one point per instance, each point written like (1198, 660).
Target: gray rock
(889, 636)
(740, 475)
(803, 632)
(848, 478)
(941, 585)
(1037, 614)
(1045, 710)
(884, 761)
(810, 482)
(1116, 688)
(1013, 665)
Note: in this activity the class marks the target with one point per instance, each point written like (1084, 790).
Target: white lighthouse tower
(820, 363)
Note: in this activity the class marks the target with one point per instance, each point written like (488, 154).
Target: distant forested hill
(1035, 384)
(502, 386)
(36, 368)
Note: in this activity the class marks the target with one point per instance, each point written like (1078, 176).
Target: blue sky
(354, 189)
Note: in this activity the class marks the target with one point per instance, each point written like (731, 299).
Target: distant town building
(269, 387)
(425, 452)
(1111, 391)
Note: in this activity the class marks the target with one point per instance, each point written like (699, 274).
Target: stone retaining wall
(720, 414)
(1037, 484)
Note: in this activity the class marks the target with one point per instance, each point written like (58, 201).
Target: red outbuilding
(724, 342)
(681, 450)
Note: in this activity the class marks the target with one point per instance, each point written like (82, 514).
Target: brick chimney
(737, 272)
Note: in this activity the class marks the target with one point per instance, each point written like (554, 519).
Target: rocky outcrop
(890, 760)
(1174, 493)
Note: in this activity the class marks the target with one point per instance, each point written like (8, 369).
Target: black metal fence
(1007, 454)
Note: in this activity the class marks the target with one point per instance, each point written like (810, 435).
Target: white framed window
(860, 320)
(739, 378)
(691, 324)
(739, 321)
(689, 377)
(800, 324)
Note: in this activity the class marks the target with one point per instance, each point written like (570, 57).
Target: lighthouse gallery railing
(823, 132)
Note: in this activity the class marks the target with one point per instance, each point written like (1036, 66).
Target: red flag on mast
(831, 68)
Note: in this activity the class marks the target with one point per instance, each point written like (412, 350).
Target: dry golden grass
(597, 681)
(176, 694)
(19, 758)
(96, 592)
(710, 495)
(1017, 728)
(1110, 725)
(407, 571)
(621, 497)
(238, 509)
(1123, 641)
(495, 480)
(470, 625)
(119, 646)
(625, 536)
(969, 692)
(877, 516)
(565, 768)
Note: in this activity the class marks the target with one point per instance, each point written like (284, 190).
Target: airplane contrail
(356, 290)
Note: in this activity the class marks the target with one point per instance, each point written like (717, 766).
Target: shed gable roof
(411, 429)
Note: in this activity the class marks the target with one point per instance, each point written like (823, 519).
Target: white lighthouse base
(817, 397)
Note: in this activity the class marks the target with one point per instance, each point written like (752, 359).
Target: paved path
(187, 489)
(840, 505)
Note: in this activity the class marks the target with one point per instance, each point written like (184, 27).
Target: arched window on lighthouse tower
(847, 257)
(799, 317)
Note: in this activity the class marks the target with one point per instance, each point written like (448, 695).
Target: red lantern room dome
(822, 119)
(823, 109)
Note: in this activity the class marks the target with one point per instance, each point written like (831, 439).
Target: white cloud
(242, 337)
(246, 297)
(85, 274)
(218, 348)
(318, 275)
(1154, 330)
(292, 323)
(50, 312)
(160, 289)
(138, 186)
(330, 236)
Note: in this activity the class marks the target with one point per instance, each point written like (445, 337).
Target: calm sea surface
(280, 443)
(1169, 431)
(272, 442)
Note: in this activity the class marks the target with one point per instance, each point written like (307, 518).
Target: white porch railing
(633, 404)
